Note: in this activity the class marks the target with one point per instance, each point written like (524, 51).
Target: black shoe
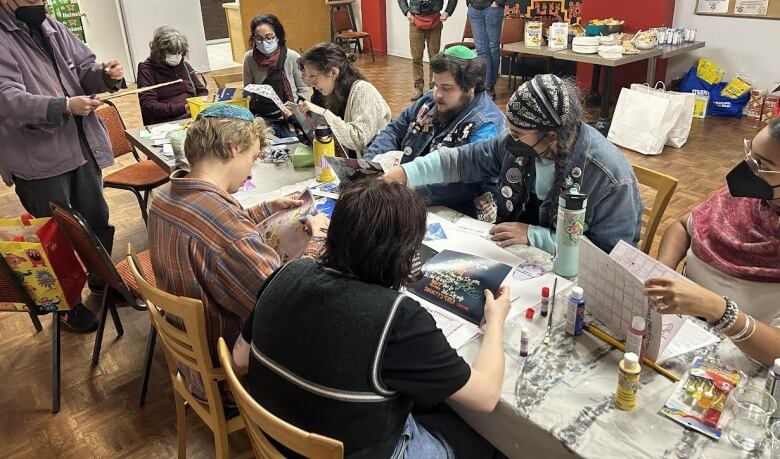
(79, 319)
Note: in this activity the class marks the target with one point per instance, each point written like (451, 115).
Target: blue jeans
(486, 25)
(416, 442)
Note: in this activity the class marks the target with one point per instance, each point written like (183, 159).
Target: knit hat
(223, 110)
(542, 102)
(461, 52)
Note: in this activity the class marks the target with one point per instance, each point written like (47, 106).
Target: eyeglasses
(311, 78)
(266, 38)
(753, 161)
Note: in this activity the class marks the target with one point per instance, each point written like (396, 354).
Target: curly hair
(376, 229)
(467, 73)
(167, 40)
(273, 22)
(325, 56)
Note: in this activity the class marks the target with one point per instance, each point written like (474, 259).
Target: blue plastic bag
(718, 105)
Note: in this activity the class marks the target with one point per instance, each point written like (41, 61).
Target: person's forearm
(674, 244)
(489, 362)
(763, 344)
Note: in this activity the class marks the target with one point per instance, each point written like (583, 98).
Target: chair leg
(371, 47)
(101, 327)
(35, 320)
(181, 425)
(55, 362)
(148, 367)
(141, 204)
(120, 330)
(221, 444)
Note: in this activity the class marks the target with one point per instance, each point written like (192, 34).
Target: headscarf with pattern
(225, 110)
(541, 103)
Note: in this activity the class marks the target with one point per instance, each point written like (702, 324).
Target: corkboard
(306, 22)
(773, 11)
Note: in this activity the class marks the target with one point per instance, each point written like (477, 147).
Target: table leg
(550, 65)
(604, 120)
(651, 64)
(593, 99)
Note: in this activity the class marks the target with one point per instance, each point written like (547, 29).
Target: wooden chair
(12, 291)
(222, 80)
(345, 31)
(188, 346)
(139, 178)
(467, 33)
(664, 187)
(261, 423)
(513, 31)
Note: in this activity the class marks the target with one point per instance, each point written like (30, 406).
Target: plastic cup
(751, 411)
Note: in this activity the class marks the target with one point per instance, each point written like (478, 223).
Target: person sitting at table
(731, 244)
(549, 148)
(354, 108)
(271, 62)
(167, 62)
(457, 112)
(358, 363)
(203, 244)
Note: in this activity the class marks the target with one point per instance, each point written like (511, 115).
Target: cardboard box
(755, 106)
(771, 107)
(533, 34)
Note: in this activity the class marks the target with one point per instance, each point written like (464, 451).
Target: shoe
(418, 92)
(79, 319)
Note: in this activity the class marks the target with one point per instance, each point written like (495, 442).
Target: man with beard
(456, 112)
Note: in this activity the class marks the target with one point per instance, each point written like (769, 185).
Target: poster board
(717, 7)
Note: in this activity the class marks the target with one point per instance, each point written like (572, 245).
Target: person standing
(425, 24)
(487, 19)
(53, 144)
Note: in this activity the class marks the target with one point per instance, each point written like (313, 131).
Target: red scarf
(738, 236)
(275, 62)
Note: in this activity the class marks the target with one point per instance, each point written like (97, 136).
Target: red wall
(638, 15)
(374, 16)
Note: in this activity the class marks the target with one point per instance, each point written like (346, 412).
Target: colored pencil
(598, 333)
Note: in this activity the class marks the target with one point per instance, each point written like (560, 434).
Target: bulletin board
(738, 8)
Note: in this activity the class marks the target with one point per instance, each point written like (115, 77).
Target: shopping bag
(642, 121)
(44, 261)
(682, 128)
(719, 105)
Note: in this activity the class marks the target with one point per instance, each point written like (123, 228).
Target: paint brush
(550, 315)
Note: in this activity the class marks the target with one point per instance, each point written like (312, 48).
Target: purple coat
(30, 147)
(169, 102)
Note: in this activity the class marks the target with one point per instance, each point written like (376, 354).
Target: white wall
(105, 34)
(735, 44)
(398, 29)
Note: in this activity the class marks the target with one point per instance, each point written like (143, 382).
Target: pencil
(598, 333)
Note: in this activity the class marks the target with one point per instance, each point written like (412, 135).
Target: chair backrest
(467, 32)
(260, 422)
(112, 120)
(89, 248)
(225, 79)
(664, 186)
(185, 342)
(341, 20)
(513, 29)
(11, 288)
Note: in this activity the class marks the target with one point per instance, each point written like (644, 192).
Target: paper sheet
(458, 331)
(284, 232)
(751, 7)
(266, 91)
(388, 160)
(713, 6)
(690, 337)
(479, 228)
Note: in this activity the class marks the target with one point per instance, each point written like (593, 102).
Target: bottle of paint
(545, 301)
(575, 312)
(628, 382)
(773, 384)
(635, 337)
(523, 342)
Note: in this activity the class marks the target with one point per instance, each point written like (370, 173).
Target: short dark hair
(376, 229)
(468, 73)
(774, 128)
(271, 20)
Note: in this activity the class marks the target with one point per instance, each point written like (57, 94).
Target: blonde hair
(213, 137)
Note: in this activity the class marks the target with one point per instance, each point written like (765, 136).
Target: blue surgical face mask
(267, 46)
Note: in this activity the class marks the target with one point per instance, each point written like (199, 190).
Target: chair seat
(467, 44)
(144, 175)
(145, 262)
(352, 35)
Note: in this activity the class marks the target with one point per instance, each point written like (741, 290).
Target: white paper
(751, 7)
(266, 91)
(713, 6)
(167, 149)
(473, 226)
(690, 337)
(388, 160)
(159, 132)
(457, 330)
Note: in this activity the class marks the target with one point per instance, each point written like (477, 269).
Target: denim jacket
(480, 120)
(614, 209)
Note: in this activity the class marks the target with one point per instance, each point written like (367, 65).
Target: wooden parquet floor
(100, 417)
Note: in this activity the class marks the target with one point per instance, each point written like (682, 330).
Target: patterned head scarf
(229, 111)
(542, 102)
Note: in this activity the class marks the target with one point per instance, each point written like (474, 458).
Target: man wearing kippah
(425, 24)
(457, 112)
(549, 149)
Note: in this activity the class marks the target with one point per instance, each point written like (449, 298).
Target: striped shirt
(204, 245)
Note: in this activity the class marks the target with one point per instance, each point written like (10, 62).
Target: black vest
(317, 345)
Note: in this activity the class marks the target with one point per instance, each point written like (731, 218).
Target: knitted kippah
(223, 110)
(461, 52)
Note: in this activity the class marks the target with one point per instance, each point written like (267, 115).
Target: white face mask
(173, 59)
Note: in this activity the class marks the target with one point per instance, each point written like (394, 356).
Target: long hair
(325, 56)
(270, 20)
(376, 229)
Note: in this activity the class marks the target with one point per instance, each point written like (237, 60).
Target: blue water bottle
(569, 229)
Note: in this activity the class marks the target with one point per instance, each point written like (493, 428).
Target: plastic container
(628, 382)
(575, 312)
(199, 103)
(595, 30)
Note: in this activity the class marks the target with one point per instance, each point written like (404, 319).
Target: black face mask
(744, 183)
(520, 149)
(33, 16)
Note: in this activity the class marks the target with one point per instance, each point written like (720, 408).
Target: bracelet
(729, 317)
(741, 332)
(750, 335)
(67, 106)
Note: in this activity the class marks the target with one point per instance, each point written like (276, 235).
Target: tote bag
(642, 121)
(682, 129)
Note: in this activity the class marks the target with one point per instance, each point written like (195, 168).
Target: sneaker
(79, 319)
(418, 92)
